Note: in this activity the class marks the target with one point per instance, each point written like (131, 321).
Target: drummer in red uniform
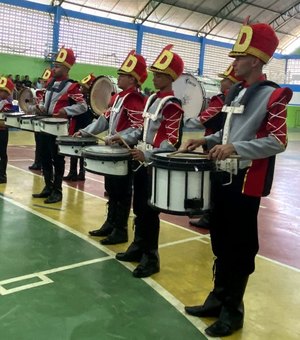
(163, 117)
(6, 89)
(63, 98)
(77, 123)
(212, 120)
(124, 118)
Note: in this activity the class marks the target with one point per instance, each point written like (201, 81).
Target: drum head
(27, 117)
(189, 91)
(188, 162)
(25, 98)
(100, 94)
(105, 152)
(211, 87)
(14, 114)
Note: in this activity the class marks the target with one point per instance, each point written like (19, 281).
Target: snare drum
(36, 123)
(54, 126)
(181, 185)
(106, 160)
(72, 146)
(13, 119)
(26, 122)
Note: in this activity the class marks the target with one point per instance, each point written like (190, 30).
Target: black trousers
(3, 151)
(51, 159)
(38, 148)
(233, 230)
(147, 218)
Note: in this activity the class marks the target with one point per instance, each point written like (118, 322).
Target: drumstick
(123, 141)
(100, 138)
(177, 151)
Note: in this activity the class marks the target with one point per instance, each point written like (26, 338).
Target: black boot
(108, 225)
(232, 314)
(46, 192)
(149, 265)
(213, 303)
(119, 233)
(55, 196)
(203, 222)
(35, 166)
(81, 175)
(72, 175)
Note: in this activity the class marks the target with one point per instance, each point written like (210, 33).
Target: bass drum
(100, 93)
(194, 93)
(28, 96)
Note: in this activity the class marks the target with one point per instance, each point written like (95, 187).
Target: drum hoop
(105, 157)
(60, 121)
(182, 164)
(76, 141)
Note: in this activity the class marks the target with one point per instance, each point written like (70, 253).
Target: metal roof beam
(145, 13)
(223, 13)
(285, 17)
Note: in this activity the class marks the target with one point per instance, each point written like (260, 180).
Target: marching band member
(255, 129)
(6, 89)
(62, 99)
(163, 118)
(37, 164)
(124, 117)
(212, 119)
(77, 123)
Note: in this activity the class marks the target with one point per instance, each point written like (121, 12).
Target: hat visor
(233, 54)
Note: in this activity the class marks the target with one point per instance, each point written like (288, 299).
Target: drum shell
(13, 119)
(26, 122)
(54, 126)
(180, 186)
(73, 146)
(36, 123)
(114, 162)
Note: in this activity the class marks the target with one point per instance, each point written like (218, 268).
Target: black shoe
(203, 222)
(117, 236)
(71, 177)
(46, 192)
(147, 267)
(3, 179)
(56, 196)
(132, 254)
(105, 230)
(35, 166)
(211, 307)
(145, 271)
(228, 323)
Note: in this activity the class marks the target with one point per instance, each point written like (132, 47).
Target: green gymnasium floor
(57, 283)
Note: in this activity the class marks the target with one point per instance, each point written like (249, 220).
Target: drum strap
(115, 109)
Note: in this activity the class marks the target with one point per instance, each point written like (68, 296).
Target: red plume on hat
(258, 40)
(66, 57)
(168, 62)
(7, 85)
(134, 65)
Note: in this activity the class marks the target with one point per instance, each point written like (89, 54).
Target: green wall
(34, 67)
(293, 117)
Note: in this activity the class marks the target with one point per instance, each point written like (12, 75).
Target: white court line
(43, 276)
(196, 322)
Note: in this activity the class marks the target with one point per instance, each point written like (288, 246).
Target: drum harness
(143, 145)
(235, 103)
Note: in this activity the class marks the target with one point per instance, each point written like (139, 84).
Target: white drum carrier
(26, 122)
(54, 126)
(181, 185)
(13, 119)
(106, 160)
(194, 93)
(72, 146)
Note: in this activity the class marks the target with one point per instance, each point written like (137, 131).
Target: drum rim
(69, 140)
(105, 157)
(57, 121)
(181, 164)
